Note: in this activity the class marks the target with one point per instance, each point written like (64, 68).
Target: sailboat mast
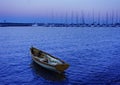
(72, 18)
(66, 16)
(93, 17)
(106, 18)
(99, 18)
(76, 18)
(82, 18)
(112, 17)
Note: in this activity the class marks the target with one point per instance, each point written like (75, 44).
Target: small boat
(35, 25)
(48, 61)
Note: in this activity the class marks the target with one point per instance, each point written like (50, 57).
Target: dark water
(93, 55)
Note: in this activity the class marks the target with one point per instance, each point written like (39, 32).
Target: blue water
(93, 55)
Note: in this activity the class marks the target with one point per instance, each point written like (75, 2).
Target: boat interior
(43, 57)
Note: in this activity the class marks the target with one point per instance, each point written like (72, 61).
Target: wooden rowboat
(48, 61)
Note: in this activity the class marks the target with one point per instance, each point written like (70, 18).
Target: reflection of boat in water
(47, 74)
(48, 61)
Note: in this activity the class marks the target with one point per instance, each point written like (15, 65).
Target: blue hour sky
(32, 9)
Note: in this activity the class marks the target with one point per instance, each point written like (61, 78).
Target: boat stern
(61, 67)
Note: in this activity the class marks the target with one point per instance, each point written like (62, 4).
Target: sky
(31, 10)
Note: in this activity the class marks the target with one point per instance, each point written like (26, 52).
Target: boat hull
(59, 67)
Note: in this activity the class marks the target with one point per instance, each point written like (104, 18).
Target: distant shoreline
(57, 25)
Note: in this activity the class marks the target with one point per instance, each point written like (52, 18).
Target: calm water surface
(93, 55)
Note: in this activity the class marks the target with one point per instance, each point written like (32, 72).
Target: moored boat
(48, 61)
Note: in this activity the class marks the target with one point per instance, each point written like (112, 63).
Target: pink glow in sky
(36, 8)
(33, 7)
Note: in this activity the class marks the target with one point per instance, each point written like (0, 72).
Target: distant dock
(58, 25)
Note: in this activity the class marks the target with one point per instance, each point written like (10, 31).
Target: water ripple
(93, 55)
